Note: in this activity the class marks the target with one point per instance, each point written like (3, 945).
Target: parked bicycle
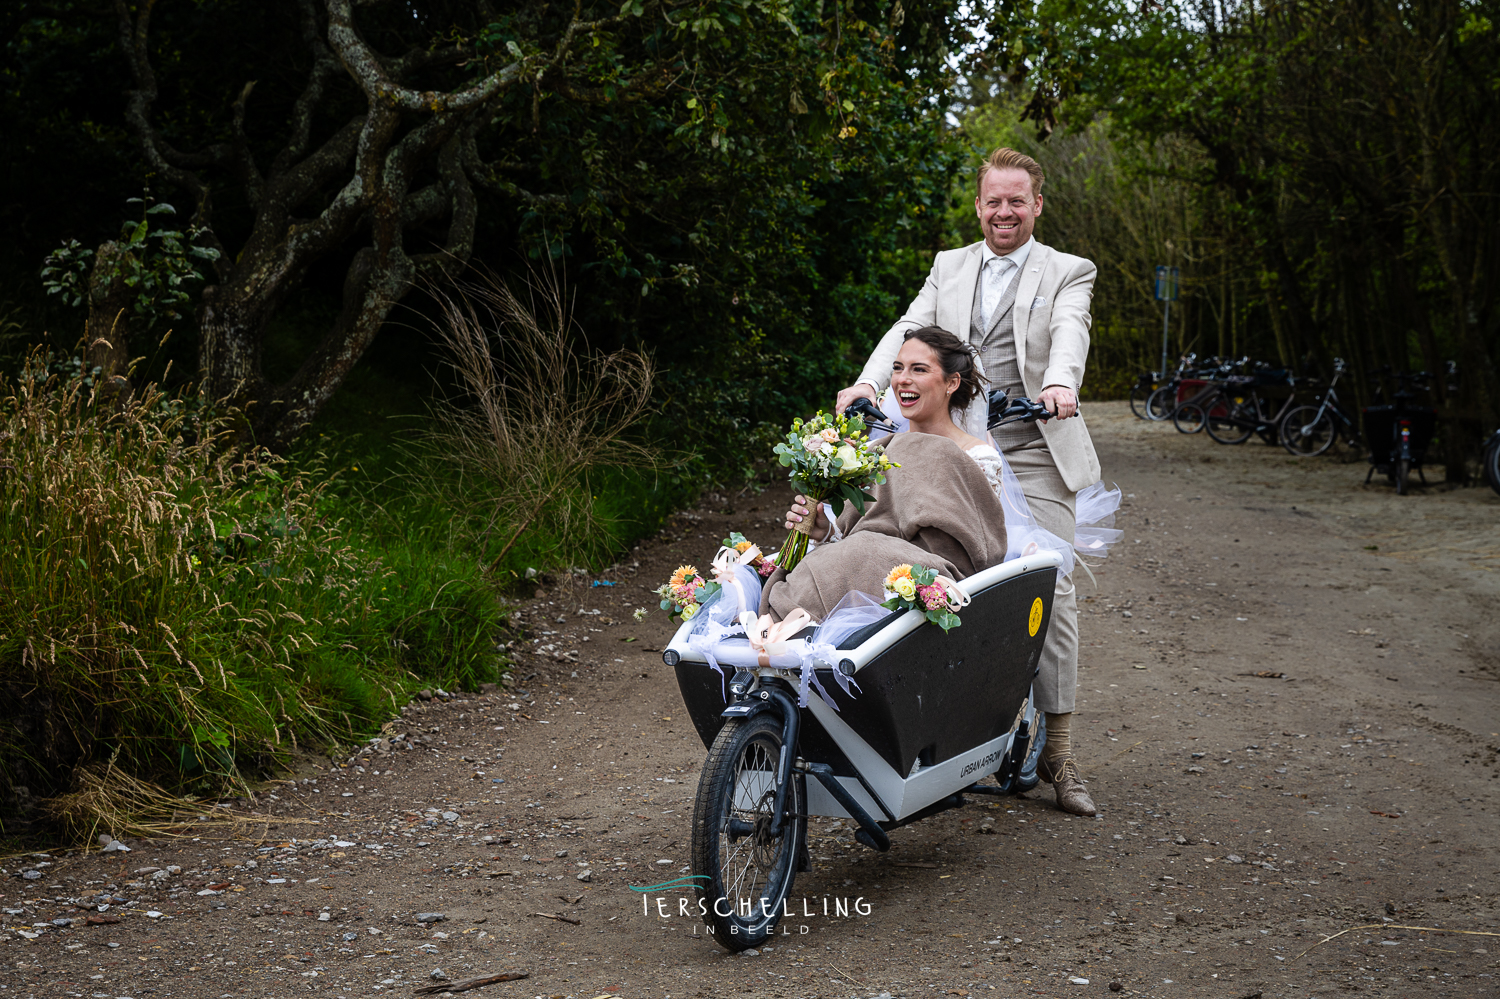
(1489, 461)
(1208, 394)
(1308, 431)
(1149, 394)
(1257, 408)
(1400, 431)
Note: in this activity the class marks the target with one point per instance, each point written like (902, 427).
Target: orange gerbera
(902, 571)
(687, 572)
(743, 546)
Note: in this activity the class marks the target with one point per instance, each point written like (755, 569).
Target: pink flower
(766, 568)
(933, 597)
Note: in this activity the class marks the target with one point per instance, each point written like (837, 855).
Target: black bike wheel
(1490, 463)
(749, 870)
(1305, 433)
(1402, 472)
(1228, 429)
(1161, 403)
(1189, 419)
(1139, 395)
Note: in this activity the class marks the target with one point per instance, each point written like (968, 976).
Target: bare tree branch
(325, 68)
(172, 164)
(370, 72)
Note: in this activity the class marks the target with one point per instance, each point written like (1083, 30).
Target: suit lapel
(957, 300)
(1030, 280)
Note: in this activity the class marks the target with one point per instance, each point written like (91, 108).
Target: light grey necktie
(995, 270)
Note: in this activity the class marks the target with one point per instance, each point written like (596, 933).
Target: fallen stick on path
(846, 974)
(472, 983)
(1394, 926)
(560, 919)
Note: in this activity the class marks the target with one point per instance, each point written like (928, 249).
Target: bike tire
(1189, 419)
(1402, 473)
(1139, 396)
(1161, 404)
(1226, 430)
(1305, 434)
(738, 864)
(1490, 465)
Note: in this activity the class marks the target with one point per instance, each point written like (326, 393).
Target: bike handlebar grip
(864, 409)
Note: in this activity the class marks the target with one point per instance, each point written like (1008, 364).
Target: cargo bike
(885, 725)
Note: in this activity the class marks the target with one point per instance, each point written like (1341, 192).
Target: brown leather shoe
(1063, 776)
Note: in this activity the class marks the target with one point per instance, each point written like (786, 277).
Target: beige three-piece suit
(1037, 336)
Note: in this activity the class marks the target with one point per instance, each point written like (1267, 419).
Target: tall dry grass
(539, 423)
(187, 609)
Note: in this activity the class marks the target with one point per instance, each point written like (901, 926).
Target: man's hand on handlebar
(799, 512)
(848, 395)
(1060, 401)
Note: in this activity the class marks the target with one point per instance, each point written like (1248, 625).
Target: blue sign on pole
(1167, 279)
(1166, 291)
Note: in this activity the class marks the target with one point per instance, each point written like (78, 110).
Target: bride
(949, 506)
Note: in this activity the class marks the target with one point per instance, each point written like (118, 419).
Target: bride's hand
(799, 512)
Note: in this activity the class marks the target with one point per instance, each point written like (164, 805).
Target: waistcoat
(997, 352)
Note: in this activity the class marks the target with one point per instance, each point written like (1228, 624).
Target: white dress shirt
(995, 275)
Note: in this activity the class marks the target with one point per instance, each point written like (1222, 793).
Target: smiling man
(1025, 307)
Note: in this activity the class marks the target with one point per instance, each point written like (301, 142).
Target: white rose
(849, 457)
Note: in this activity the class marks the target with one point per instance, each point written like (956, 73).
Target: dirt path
(1244, 818)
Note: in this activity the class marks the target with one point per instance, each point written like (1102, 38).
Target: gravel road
(1289, 707)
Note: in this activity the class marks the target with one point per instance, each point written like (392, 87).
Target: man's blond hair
(1006, 158)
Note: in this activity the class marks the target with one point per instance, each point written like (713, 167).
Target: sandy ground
(1244, 818)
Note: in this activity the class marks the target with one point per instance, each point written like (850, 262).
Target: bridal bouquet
(916, 587)
(831, 459)
(684, 592)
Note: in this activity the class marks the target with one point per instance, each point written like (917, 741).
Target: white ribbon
(957, 598)
(723, 568)
(771, 638)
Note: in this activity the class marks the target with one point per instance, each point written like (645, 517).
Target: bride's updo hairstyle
(956, 358)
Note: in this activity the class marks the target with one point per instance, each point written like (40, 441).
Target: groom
(1025, 308)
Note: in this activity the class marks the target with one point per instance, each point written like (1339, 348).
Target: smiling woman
(934, 376)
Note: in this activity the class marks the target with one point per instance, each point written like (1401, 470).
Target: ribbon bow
(723, 567)
(769, 638)
(957, 598)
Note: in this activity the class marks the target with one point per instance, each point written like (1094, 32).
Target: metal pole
(1165, 321)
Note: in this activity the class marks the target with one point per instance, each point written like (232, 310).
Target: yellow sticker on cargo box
(1035, 620)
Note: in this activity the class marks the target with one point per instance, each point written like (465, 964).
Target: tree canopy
(1342, 171)
(693, 169)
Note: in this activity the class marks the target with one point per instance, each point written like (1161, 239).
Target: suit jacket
(1051, 329)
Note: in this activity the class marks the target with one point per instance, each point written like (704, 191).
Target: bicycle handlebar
(871, 414)
(1002, 412)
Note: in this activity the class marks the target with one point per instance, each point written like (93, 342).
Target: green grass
(196, 611)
